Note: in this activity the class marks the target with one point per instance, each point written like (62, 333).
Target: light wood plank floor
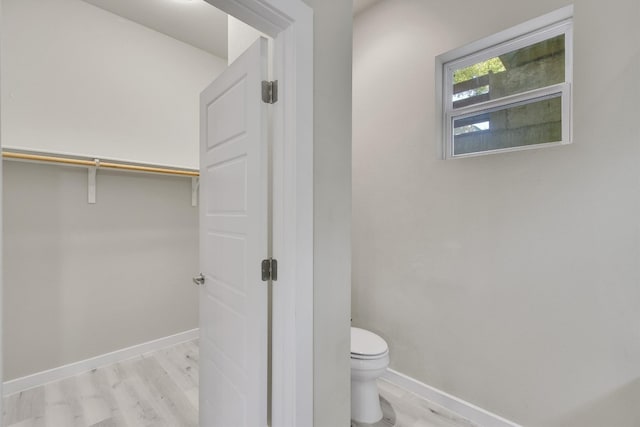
(402, 408)
(160, 389)
(157, 389)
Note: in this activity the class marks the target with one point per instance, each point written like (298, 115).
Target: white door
(233, 242)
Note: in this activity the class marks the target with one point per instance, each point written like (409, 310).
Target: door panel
(233, 241)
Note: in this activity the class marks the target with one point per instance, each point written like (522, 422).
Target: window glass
(532, 123)
(531, 67)
(509, 91)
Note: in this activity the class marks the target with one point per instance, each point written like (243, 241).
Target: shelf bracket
(195, 186)
(91, 187)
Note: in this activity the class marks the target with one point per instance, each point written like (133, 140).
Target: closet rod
(98, 163)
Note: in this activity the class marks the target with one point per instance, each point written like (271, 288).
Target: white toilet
(369, 360)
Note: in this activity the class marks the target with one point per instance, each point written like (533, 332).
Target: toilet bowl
(369, 360)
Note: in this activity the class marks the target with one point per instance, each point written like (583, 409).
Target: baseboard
(465, 410)
(55, 374)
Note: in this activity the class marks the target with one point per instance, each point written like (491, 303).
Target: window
(511, 91)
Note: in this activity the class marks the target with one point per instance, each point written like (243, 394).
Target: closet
(100, 133)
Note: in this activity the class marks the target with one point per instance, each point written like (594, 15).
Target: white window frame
(526, 34)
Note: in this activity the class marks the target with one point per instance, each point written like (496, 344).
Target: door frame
(290, 24)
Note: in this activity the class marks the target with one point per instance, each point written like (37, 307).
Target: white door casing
(233, 241)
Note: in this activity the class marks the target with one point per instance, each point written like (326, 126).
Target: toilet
(369, 360)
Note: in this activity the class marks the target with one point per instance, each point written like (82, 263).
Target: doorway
(284, 157)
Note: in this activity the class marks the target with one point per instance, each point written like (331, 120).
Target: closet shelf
(11, 155)
(93, 165)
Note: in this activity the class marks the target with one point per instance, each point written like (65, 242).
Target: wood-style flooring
(402, 408)
(160, 389)
(157, 389)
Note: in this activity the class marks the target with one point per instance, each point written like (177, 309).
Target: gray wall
(82, 280)
(509, 280)
(104, 87)
(332, 210)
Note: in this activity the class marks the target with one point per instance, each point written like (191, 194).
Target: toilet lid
(366, 343)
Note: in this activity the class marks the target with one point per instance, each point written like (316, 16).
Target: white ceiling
(194, 22)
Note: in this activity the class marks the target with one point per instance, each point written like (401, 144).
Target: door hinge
(269, 269)
(270, 92)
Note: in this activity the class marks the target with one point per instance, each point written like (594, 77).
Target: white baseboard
(466, 410)
(55, 374)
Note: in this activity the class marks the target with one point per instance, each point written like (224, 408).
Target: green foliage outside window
(493, 65)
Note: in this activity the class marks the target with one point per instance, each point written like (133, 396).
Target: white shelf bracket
(91, 187)
(195, 186)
